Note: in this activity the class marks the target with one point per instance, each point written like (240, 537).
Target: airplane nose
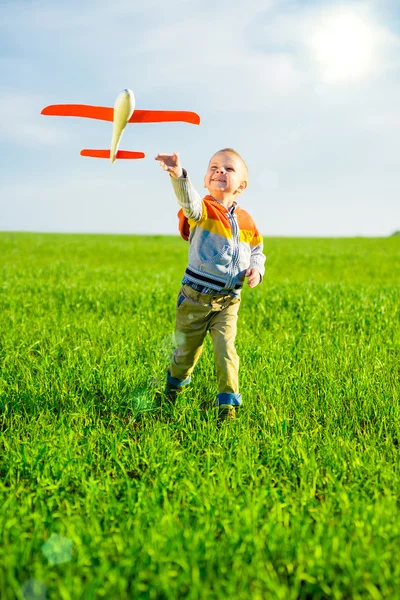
(128, 93)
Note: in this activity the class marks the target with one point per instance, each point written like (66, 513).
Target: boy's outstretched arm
(188, 198)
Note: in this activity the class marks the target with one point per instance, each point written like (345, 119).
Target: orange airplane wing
(104, 113)
(106, 154)
(163, 116)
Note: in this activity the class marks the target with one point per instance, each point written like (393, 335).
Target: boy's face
(226, 174)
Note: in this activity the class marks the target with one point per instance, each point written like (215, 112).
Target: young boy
(225, 247)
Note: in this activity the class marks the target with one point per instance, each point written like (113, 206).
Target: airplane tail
(106, 154)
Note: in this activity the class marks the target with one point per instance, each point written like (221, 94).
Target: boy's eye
(213, 167)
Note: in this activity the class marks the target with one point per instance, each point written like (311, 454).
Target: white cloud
(236, 58)
(382, 123)
(296, 28)
(20, 122)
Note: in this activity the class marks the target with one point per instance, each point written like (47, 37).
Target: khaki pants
(196, 314)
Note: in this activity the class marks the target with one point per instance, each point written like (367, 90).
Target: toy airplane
(123, 113)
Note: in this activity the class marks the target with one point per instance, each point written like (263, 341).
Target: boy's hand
(254, 277)
(170, 163)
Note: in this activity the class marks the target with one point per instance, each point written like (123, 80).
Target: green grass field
(104, 495)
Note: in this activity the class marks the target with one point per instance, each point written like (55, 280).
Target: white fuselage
(123, 110)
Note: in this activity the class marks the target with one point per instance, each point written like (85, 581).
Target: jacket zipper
(235, 253)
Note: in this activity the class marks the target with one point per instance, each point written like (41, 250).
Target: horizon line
(395, 233)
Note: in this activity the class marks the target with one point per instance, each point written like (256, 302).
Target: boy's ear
(242, 187)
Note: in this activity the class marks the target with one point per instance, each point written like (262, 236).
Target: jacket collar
(231, 209)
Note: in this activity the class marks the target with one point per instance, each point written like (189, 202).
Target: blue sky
(308, 92)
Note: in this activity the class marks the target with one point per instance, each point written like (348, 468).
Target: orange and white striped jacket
(224, 242)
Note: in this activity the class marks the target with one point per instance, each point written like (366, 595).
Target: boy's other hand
(254, 277)
(170, 163)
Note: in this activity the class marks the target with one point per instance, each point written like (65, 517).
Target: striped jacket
(224, 242)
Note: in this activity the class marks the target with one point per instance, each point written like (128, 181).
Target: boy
(225, 247)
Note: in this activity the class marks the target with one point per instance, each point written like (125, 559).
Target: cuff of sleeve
(259, 268)
(184, 175)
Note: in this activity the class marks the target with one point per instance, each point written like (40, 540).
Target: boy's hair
(232, 151)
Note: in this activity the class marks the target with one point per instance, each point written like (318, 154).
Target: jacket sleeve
(188, 198)
(258, 257)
